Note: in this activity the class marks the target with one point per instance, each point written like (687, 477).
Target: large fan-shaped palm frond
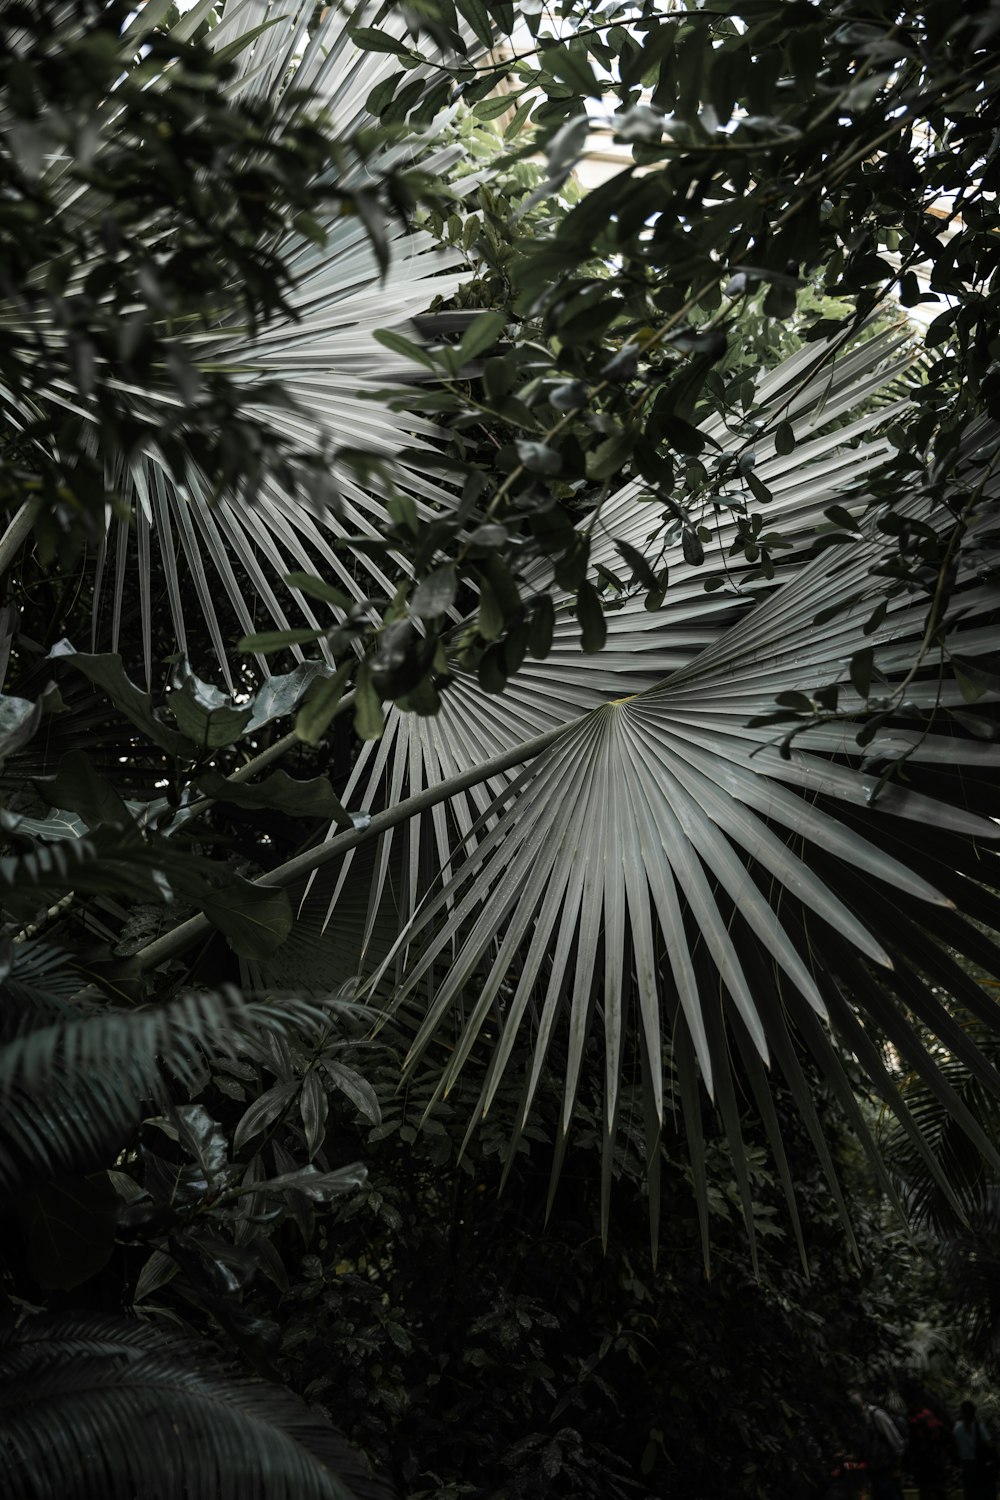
(350, 274)
(98, 1405)
(321, 352)
(664, 854)
(813, 389)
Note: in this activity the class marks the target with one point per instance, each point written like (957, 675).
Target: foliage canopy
(652, 559)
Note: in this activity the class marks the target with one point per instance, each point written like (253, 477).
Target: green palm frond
(967, 1167)
(322, 353)
(351, 274)
(73, 1091)
(665, 877)
(813, 388)
(100, 1405)
(40, 982)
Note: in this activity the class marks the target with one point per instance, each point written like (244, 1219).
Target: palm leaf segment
(323, 354)
(664, 855)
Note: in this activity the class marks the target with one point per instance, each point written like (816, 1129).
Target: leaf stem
(18, 532)
(175, 942)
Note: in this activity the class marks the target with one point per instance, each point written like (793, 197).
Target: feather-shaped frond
(73, 1091)
(38, 986)
(968, 1171)
(100, 1405)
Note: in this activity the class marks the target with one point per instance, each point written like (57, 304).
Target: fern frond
(73, 1092)
(104, 1406)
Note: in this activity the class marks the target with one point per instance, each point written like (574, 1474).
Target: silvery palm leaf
(218, 560)
(665, 880)
(814, 389)
(322, 354)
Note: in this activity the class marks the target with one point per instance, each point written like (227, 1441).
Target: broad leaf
(107, 673)
(206, 716)
(282, 793)
(254, 919)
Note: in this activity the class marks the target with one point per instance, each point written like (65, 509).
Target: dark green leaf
(406, 347)
(680, 434)
(280, 792)
(795, 700)
(78, 788)
(371, 40)
(543, 619)
(355, 1087)
(784, 439)
(254, 919)
(205, 715)
(263, 642)
(593, 626)
(319, 1186)
(492, 108)
(279, 696)
(972, 681)
(759, 491)
(401, 658)
(570, 395)
(313, 1105)
(107, 673)
(201, 1137)
(478, 17)
(369, 720)
(641, 570)
(609, 457)
(862, 663)
(692, 547)
(263, 1112)
(481, 335)
(435, 594)
(318, 588)
(491, 669)
(491, 617)
(315, 715)
(538, 458)
(569, 63)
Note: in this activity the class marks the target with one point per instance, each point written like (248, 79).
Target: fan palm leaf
(664, 853)
(352, 275)
(322, 353)
(813, 389)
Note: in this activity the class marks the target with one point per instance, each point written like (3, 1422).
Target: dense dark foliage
(481, 1349)
(654, 1267)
